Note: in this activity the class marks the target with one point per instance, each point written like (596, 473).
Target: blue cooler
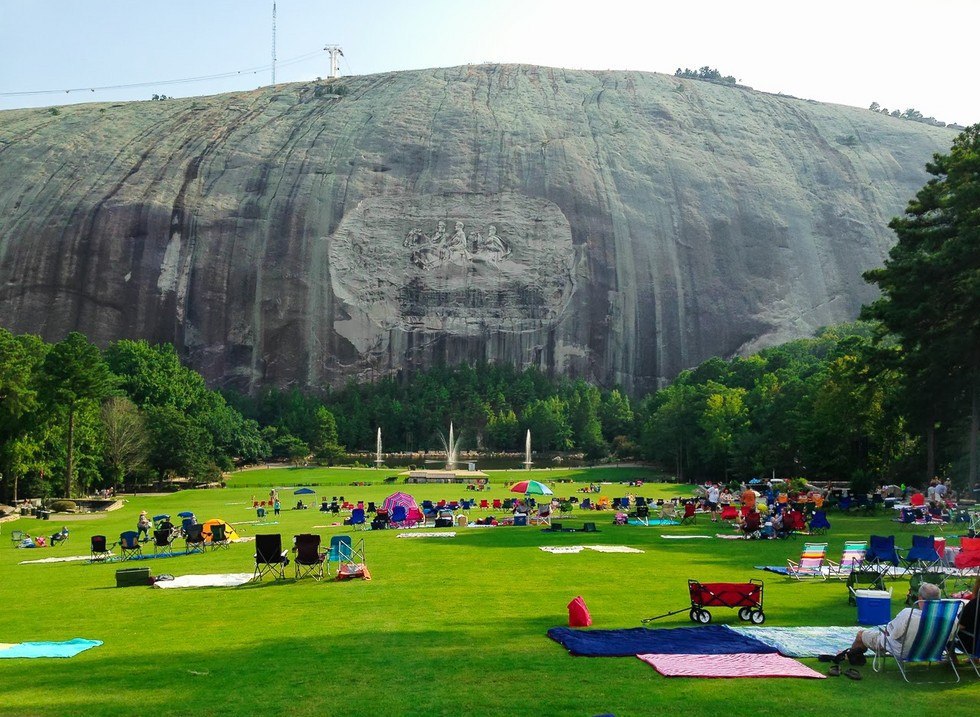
(874, 606)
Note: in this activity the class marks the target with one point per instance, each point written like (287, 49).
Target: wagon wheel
(704, 616)
(745, 613)
(758, 617)
(694, 614)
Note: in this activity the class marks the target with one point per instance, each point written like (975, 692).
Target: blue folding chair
(129, 545)
(922, 554)
(343, 551)
(881, 551)
(819, 523)
(357, 519)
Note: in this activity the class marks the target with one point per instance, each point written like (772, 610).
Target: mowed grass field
(453, 626)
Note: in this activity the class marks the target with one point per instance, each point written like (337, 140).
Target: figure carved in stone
(457, 252)
(493, 247)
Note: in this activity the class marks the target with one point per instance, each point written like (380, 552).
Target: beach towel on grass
(451, 534)
(735, 665)
(218, 580)
(779, 569)
(802, 641)
(613, 549)
(562, 548)
(705, 640)
(67, 559)
(69, 648)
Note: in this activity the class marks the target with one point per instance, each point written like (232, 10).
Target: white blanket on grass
(562, 549)
(68, 559)
(218, 580)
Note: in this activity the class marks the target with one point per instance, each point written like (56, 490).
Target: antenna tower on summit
(273, 43)
(335, 53)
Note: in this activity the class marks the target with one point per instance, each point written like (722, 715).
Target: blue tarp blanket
(802, 641)
(781, 569)
(703, 640)
(49, 649)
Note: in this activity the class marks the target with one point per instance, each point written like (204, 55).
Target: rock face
(611, 225)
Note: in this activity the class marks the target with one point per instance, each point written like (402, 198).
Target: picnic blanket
(68, 559)
(704, 640)
(69, 648)
(653, 521)
(727, 536)
(217, 580)
(450, 534)
(734, 665)
(802, 641)
(559, 549)
(779, 569)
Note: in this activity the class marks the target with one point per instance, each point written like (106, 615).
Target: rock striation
(616, 226)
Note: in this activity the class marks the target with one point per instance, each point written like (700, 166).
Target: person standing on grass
(143, 526)
(713, 494)
(276, 506)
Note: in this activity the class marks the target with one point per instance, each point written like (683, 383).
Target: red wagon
(747, 597)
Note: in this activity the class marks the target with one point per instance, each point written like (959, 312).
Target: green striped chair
(932, 642)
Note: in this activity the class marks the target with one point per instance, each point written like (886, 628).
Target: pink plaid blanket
(738, 665)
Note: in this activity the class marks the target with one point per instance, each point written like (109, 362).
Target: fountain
(378, 461)
(527, 451)
(452, 448)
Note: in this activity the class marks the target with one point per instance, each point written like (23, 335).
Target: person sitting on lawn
(900, 630)
(59, 536)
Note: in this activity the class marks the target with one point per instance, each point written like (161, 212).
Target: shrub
(64, 506)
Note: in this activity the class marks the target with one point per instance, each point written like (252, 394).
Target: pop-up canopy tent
(306, 491)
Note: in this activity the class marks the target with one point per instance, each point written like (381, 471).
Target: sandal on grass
(852, 673)
(834, 671)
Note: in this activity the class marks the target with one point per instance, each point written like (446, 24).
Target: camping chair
(729, 512)
(186, 524)
(968, 560)
(932, 641)
(270, 557)
(309, 559)
(970, 631)
(484, 504)
(194, 539)
(851, 558)
(343, 551)
(218, 537)
(100, 551)
(61, 536)
(690, 513)
(163, 541)
(399, 516)
(935, 577)
(752, 524)
(859, 579)
(497, 504)
(811, 562)
(603, 503)
(357, 518)
(922, 554)
(129, 545)
(881, 550)
(819, 523)
(543, 516)
(16, 536)
(643, 514)
(668, 511)
(586, 504)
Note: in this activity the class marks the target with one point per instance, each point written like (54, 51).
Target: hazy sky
(900, 53)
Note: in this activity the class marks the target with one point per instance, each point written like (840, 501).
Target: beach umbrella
(399, 498)
(529, 488)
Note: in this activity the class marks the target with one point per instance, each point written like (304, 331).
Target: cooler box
(874, 606)
(132, 576)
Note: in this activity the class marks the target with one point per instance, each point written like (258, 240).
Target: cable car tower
(335, 54)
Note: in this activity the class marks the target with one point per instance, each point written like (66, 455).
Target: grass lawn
(450, 626)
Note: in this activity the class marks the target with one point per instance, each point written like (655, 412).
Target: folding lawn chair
(100, 551)
(129, 545)
(851, 559)
(668, 511)
(859, 579)
(968, 636)
(543, 516)
(811, 562)
(918, 577)
(586, 504)
(163, 541)
(16, 536)
(218, 537)
(194, 539)
(343, 551)
(690, 513)
(881, 552)
(819, 523)
(484, 504)
(357, 519)
(922, 555)
(270, 558)
(399, 515)
(932, 641)
(643, 514)
(497, 504)
(309, 559)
